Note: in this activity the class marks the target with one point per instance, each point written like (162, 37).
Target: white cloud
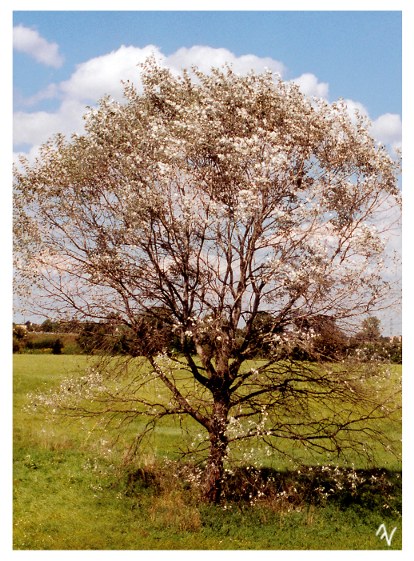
(36, 127)
(28, 41)
(103, 75)
(388, 129)
(31, 156)
(205, 57)
(309, 85)
(355, 107)
(50, 92)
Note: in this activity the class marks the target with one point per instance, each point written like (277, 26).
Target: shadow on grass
(376, 489)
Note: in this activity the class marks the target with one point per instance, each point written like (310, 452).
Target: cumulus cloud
(388, 129)
(28, 41)
(355, 107)
(36, 127)
(104, 74)
(50, 92)
(309, 85)
(205, 57)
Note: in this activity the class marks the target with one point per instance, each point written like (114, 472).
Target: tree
(57, 346)
(329, 342)
(263, 330)
(154, 332)
(19, 337)
(50, 326)
(218, 198)
(19, 332)
(370, 330)
(93, 337)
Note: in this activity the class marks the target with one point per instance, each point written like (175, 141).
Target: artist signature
(385, 535)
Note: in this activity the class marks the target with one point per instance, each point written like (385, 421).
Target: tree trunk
(215, 470)
(218, 451)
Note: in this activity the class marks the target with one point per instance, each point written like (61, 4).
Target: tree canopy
(228, 202)
(370, 331)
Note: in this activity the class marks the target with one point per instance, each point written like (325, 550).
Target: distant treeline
(155, 332)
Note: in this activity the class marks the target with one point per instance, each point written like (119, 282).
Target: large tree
(217, 197)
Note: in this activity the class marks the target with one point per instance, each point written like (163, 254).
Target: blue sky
(357, 53)
(62, 59)
(65, 60)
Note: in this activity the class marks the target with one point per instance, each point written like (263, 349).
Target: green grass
(71, 491)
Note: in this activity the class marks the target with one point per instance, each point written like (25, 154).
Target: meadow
(73, 488)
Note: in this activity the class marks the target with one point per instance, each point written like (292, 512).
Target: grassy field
(72, 491)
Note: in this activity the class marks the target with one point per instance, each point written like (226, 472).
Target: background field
(73, 491)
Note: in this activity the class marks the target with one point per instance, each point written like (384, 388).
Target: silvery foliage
(215, 196)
